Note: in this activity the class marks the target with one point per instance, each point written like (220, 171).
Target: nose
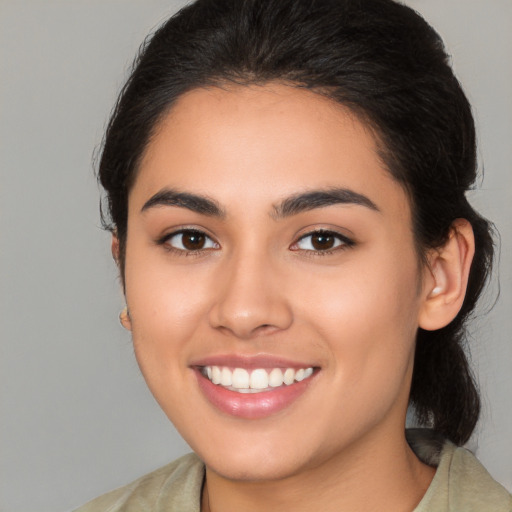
(251, 298)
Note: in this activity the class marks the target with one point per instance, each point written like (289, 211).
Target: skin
(254, 289)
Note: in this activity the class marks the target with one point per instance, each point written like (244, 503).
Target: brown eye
(188, 240)
(322, 241)
(193, 240)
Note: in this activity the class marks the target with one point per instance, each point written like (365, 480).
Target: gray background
(76, 418)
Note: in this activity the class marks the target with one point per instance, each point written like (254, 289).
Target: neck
(374, 476)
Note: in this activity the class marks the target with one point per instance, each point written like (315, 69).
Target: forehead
(244, 143)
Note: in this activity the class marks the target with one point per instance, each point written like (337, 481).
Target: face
(272, 280)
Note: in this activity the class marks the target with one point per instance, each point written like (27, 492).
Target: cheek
(159, 292)
(368, 322)
(367, 310)
(166, 309)
(167, 304)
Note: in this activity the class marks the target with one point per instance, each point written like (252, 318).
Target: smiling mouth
(257, 380)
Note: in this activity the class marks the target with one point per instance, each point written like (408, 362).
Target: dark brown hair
(385, 63)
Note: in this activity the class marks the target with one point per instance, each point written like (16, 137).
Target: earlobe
(445, 286)
(124, 318)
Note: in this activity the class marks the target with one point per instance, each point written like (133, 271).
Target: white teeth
(259, 379)
(216, 375)
(289, 376)
(275, 379)
(299, 375)
(242, 381)
(225, 377)
(240, 378)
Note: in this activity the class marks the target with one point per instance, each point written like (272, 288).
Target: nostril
(265, 329)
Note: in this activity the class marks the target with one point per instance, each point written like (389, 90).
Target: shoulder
(472, 487)
(175, 487)
(461, 483)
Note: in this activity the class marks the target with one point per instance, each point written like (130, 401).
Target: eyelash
(344, 242)
(164, 241)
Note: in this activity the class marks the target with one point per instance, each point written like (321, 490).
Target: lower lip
(251, 405)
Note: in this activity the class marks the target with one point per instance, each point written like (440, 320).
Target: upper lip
(250, 362)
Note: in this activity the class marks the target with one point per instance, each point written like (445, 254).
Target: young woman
(286, 189)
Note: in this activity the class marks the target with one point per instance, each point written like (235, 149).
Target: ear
(115, 248)
(447, 277)
(124, 318)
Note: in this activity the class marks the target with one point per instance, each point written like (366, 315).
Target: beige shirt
(461, 484)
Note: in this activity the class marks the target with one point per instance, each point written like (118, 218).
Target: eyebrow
(196, 203)
(292, 205)
(319, 199)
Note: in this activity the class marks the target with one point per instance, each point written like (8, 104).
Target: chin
(263, 469)
(259, 462)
